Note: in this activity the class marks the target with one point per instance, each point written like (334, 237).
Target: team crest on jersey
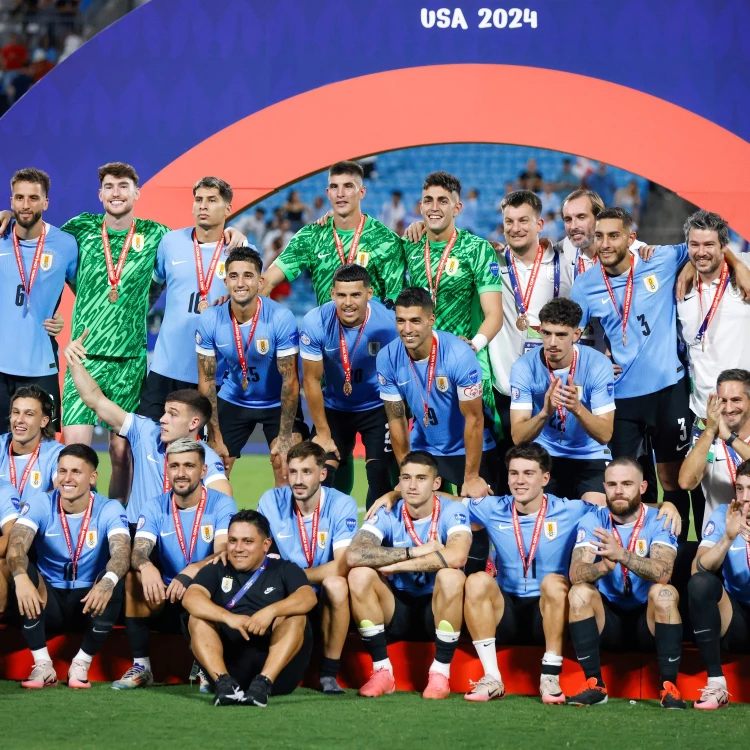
(373, 347)
(322, 539)
(36, 479)
(262, 345)
(221, 270)
(651, 283)
(551, 272)
(226, 584)
(139, 242)
(709, 529)
(641, 548)
(207, 532)
(442, 383)
(91, 538)
(550, 529)
(451, 267)
(46, 261)
(363, 258)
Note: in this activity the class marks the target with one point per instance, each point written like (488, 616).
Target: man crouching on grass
(248, 623)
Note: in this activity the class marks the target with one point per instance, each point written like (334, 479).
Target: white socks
(718, 681)
(488, 656)
(385, 664)
(142, 661)
(83, 656)
(41, 655)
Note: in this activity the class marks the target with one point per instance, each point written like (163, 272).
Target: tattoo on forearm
(657, 568)
(287, 367)
(583, 569)
(368, 553)
(207, 386)
(19, 544)
(395, 410)
(142, 548)
(119, 554)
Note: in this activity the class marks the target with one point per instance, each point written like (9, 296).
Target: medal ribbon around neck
(39, 250)
(431, 364)
(12, 467)
(241, 351)
(628, 300)
(203, 286)
(345, 260)
(633, 540)
(346, 358)
(718, 294)
(411, 531)
(114, 273)
(196, 525)
(441, 264)
(74, 557)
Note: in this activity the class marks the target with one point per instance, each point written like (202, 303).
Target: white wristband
(112, 577)
(479, 342)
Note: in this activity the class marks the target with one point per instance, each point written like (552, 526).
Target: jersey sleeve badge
(305, 339)
(141, 522)
(198, 338)
(351, 524)
(709, 529)
(580, 536)
(495, 268)
(381, 379)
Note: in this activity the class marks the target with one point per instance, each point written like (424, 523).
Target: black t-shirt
(280, 579)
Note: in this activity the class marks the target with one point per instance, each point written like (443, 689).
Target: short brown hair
(194, 400)
(215, 183)
(519, 198)
(118, 169)
(30, 174)
(597, 204)
(307, 449)
(346, 167)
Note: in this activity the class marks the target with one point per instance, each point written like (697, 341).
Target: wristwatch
(732, 438)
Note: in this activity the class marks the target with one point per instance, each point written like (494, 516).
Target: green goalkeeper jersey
(115, 329)
(471, 268)
(313, 248)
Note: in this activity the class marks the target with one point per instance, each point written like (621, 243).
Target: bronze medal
(202, 305)
(244, 384)
(113, 295)
(522, 324)
(426, 421)
(347, 388)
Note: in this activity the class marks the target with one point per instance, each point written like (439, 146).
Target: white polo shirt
(509, 343)
(726, 344)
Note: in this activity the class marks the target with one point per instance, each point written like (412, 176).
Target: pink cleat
(381, 682)
(713, 696)
(487, 689)
(42, 676)
(78, 675)
(550, 690)
(437, 687)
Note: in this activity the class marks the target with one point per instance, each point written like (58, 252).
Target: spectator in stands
(531, 177)
(284, 231)
(295, 210)
(40, 65)
(469, 217)
(254, 226)
(284, 289)
(497, 235)
(70, 45)
(416, 214)
(603, 183)
(45, 45)
(14, 54)
(551, 201)
(510, 187)
(319, 206)
(19, 84)
(629, 198)
(553, 228)
(566, 180)
(393, 211)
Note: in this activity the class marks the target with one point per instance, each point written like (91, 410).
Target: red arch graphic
(485, 104)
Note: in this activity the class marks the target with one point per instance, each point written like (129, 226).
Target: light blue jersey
(149, 454)
(43, 472)
(10, 504)
(556, 541)
(458, 377)
(337, 524)
(613, 584)
(649, 359)
(392, 532)
(157, 525)
(174, 353)
(58, 264)
(275, 336)
(594, 379)
(319, 340)
(41, 513)
(736, 568)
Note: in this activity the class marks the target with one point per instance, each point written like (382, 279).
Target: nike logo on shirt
(166, 533)
(1, 255)
(731, 549)
(269, 589)
(52, 535)
(320, 255)
(406, 382)
(605, 300)
(284, 536)
(177, 262)
(151, 458)
(502, 527)
(221, 346)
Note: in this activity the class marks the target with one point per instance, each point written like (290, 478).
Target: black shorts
(574, 477)
(154, 394)
(370, 424)
(625, 629)
(172, 619)
(245, 659)
(9, 384)
(737, 637)
(664, 416)
(237, 424)
(521, 623)
(412, 618)
(451, 469)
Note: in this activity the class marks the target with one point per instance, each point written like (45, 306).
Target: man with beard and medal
(620, 597)
(257, 341)
(339, 343)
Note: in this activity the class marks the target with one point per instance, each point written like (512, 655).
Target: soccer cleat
(713, 696)
(137, 676)
(329, 686)
(258, 692)
(487, 689)
(381, 682)
(205, 683)
(42, 675)
(670, 697)
(78, 675)
(438, 687)
(228, 692)
(593, 694)
(550, 690)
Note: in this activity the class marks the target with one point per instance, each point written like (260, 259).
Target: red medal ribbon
(196, 525)
(718, 294)
(441, 263)
(633, 538)
(34, 263)
(203, 287)
(535, 536)
(355, 241)
(562, 412)
(731, 463)
(532, 279)
(431, 363)
(308, 545)
(115, 273)
(627, 302)
(241, 352)
(432, 535)
(26, 471)
(167, 484)
(81, 534)
(346, 358)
